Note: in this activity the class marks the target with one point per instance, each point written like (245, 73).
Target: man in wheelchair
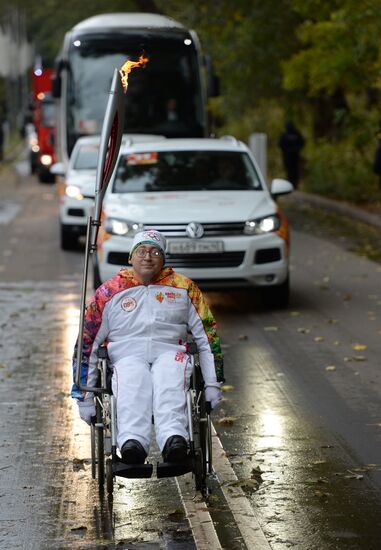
(144, 315)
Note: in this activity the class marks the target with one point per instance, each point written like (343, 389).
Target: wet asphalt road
(301, 421)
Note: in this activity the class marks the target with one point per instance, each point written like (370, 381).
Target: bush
(341, 170)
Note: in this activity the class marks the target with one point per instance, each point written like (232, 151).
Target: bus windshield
(163, 98)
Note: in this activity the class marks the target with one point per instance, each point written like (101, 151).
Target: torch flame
(127, 68)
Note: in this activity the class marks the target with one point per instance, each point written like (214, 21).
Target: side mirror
(58, 169)
(281, 187)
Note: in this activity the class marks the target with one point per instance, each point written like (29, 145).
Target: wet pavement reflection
(307, 487)
(47, 494)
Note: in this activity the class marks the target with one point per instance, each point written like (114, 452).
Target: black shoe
(175, 449)
(133, 452)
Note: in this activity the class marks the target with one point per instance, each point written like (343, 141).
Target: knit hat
(149, 236)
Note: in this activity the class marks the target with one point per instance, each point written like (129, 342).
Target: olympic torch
(111, 137)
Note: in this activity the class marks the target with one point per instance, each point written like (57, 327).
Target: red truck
(42, 151)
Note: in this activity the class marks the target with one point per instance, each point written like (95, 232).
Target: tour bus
(167, 97)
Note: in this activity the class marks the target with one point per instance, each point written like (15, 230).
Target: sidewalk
(338, 207)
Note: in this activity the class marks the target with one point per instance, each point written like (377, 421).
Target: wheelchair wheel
(93, 455)
(109, 476)
(200, 432)
(99, 444)
(199, 471)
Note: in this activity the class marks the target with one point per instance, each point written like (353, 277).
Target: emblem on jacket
(129, 304)
(159, 297)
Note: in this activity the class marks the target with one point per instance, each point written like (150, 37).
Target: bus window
(162, 98)
(167, 97)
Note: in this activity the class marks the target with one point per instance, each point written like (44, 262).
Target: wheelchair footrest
(133, 471)
(174, 469)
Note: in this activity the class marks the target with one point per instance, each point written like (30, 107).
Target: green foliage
(316, 62)
(340, 50)
(342, 171)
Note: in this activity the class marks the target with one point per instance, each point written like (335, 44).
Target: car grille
(225, 259)
(210, 229)
(77, 212)
(267, 255)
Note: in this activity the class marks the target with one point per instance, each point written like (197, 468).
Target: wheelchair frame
(106, 463)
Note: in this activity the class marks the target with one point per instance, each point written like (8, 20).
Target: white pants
(142, 389)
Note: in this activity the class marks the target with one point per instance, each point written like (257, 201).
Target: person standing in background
(291, 143)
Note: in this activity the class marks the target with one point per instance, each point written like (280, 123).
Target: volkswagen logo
(194, 230)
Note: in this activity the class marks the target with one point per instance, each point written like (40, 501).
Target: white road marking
(240, 507)
(200, 521)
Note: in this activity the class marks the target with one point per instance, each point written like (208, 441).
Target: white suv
(208, 197)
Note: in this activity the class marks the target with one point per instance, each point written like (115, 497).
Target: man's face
(147, 262)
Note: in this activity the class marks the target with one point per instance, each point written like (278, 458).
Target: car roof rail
(228, 137)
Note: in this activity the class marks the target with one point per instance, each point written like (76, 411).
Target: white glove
(213, 394)
(86, 409)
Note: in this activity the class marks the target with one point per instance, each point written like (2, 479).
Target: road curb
(338, 207)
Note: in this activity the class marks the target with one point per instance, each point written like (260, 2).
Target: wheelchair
(105, 461)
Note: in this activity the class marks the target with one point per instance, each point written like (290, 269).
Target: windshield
(185, 171)
(86, 158)
(163, 98)
(48, 114)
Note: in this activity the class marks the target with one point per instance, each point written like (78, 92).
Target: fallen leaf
(78, 463)
(177, 514)
(226, 387)
(271, 329)
(294, 313)
(353, 475)
(322, 494)
(245, 483)
(318, 338)
(78, 529)
(359, 347)
(226, 421)
(304, 330)
(256, 473)
(359, 357)
(242, 337)
(330, 367)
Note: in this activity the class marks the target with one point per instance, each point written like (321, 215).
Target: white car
(77, 190)
(77, 187)
(208, 197)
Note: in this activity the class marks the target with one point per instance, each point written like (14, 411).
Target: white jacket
(133, 319)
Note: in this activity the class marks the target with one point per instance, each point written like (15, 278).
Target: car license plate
(195, 247)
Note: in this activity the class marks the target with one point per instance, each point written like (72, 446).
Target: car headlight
(262, 225)
(74, 192)
(46, 160)
(122, 227)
